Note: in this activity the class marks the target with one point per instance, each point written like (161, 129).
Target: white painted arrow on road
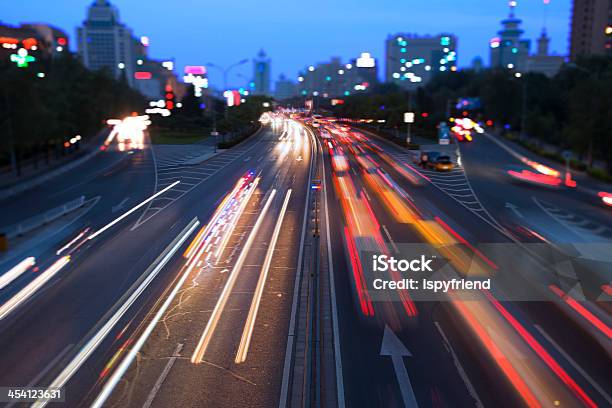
(120, 206)
(392, 346)
(514, 209)
(299, 158)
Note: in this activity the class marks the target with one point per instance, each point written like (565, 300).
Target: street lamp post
(225, 72)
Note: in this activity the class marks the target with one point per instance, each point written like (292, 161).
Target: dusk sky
(296, 34)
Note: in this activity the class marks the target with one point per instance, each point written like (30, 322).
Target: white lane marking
(573, 363)
(290, 337)
(393, 347)
(391, 241)
(131, 355)
(332, 285)
(514, 209)
(120, 206)
(460, 370)
(32, 287)
(95, 341)
(249, 325)
(247, 159)
(163, 375)
(204, 341)
(146, 216)
(260, 157)
(95, 234)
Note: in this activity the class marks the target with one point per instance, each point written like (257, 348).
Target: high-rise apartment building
(508, 49)
(411, 60)
(261, 74)
(334, 78)
(591, 28)
(105, 43)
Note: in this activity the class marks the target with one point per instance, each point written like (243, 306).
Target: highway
(186, 283)
(53, 329)
(445, 364)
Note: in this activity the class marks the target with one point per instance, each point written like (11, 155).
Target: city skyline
(321, 31)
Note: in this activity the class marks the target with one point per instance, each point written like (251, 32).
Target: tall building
(334, 78)
(261, 74)
(542, 61)
(591, 28)
(284, 88)
(411, 60)
(508, 49)
(105, 43)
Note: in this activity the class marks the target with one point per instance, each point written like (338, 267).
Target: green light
(328, 78)
(22, 59)
(304, 92)
(346, 93)
(514, 50)
(403, 60)
(444, 40)
(403, 49)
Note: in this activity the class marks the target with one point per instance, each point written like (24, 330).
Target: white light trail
(68, 245)
(95, 341)
(95, 234)
(200, 349)
(234, 220)
(114, 379)
(32, 287)
(16, 271)
(249, 325)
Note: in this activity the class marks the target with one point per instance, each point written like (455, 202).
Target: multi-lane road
(239, 279)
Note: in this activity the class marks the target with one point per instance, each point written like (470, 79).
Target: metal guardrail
(37, 221)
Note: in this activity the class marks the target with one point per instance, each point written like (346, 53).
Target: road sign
(443, 134)
(408, 117)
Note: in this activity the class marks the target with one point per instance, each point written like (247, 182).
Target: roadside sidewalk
(11, 185)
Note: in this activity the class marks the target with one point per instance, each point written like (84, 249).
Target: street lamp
(225, 72)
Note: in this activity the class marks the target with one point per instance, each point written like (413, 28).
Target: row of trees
(571, 110)
(208, 113)
(39, 113)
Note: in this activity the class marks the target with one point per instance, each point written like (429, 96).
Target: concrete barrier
(38, 221)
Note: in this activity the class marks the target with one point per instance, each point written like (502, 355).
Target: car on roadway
(443, 163)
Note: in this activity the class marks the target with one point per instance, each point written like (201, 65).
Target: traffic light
(169, 97)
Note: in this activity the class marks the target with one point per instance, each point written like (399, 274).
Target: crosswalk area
(454, 183)
(178, 155)
(191, 165)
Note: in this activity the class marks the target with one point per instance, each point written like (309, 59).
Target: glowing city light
(366, 61)
(22, 59)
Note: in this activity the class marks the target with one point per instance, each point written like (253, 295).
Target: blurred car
(428, 158)
(442, 163)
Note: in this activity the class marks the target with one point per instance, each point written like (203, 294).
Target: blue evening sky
(296, 34)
